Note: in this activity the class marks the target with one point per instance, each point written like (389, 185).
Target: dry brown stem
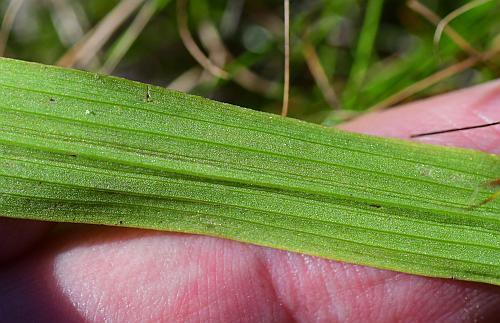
(243, 76)
(314, 64)
(7, 23)
(190, 44)
(433, 79)
(85, 49)
(286, 81)
(134, 30)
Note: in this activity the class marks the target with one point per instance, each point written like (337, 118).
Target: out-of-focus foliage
(403, 51)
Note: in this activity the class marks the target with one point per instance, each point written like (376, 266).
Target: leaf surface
(86, 148)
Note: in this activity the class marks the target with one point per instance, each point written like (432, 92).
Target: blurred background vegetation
(346, 56)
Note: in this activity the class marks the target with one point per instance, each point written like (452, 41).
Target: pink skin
(91, 273)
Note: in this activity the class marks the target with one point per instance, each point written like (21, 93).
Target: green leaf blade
(76, 147)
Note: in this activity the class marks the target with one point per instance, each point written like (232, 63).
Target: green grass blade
(363, 53)
(81, 147)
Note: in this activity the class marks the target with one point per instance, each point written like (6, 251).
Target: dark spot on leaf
(121, 222)
(52, 100)
(376, 206)
(148, 94)
(72, 155)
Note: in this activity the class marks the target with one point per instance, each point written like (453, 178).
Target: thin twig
(190, 44)
(7, 23)
(83, 51)
(286, 81)
(455, 129)
(433, 79)
(431, 16)
(319, 75)
(129, 36)
(452, 15)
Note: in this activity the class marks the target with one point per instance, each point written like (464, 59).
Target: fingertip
(463, 108)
